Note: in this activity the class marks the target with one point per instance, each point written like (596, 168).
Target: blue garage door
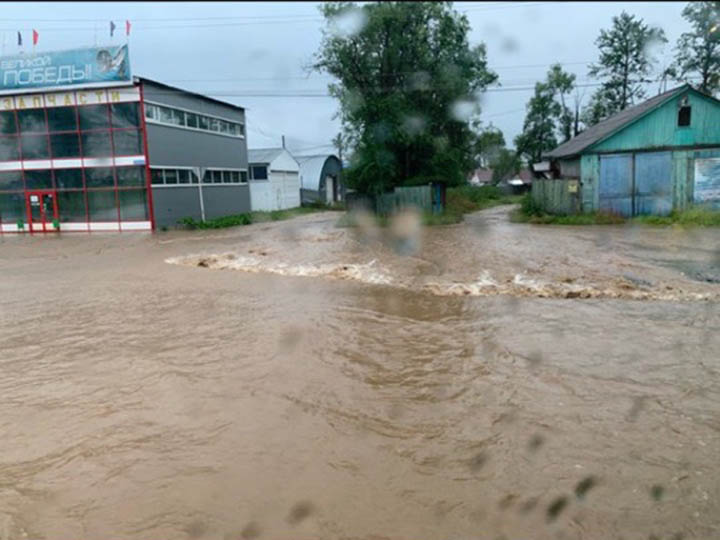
(616, 184)
(653, 183)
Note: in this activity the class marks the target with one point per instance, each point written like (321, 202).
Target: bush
(695, 216)
(218, 223)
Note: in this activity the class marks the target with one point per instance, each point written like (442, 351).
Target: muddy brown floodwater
(297, 380)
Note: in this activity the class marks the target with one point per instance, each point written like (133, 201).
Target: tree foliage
(562, 83)
(625, 65)
(408, 82)
(505, 165)
(698, 51)
(538, 134)
(489, 141)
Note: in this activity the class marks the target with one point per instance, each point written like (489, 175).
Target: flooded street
(297, 380)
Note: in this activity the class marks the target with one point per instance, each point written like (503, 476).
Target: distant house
(320, 179)
(274, 179)
(480, 177)
(659, 155)
(522, 181)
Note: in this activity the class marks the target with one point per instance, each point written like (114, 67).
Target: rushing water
(146, 400)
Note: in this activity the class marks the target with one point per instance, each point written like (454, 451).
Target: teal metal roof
(612, 124)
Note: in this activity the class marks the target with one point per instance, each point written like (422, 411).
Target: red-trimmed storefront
(74, 161)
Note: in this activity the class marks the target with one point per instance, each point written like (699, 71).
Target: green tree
(488, 144)
(408, 85)
(624, 66)
(698, 51)
(506, 164)
(562, 84)
(538, 134)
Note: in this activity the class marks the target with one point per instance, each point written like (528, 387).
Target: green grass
(247, 218)
(695, 216)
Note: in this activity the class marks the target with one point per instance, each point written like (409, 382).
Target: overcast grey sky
(233, 49)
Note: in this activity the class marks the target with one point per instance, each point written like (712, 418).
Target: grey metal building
(197, 153)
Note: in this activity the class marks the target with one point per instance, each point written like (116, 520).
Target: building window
(127, 142)
(100, 177)
(130, 176)
(133, 205)
(9, 148)
(191, 120)
(7, 122)
(11, 180)
(62, 119)
(12, 207)
(124, 115)
(156, 176)
(38, 179)
(96, 144)
(171, 176)
(684, 115)
(69, 179)
(94, 117)
(32, 121)
(34, 147)
(258, 172)
(65, 145)
(71, 206)
(102, 205)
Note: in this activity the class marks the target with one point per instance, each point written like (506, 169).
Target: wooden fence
(557, 196)
(420, 197)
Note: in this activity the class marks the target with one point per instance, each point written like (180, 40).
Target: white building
(274, 179)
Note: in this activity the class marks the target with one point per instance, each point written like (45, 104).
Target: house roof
(190, 92)
(610, 125)
(483, 175)
(263, 155)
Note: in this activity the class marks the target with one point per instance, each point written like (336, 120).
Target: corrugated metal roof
(263, 155)
(602, 129)
(190, 92)
(310, 169)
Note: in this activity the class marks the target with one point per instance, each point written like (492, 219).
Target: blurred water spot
(405, 231)
(528, 506)
(300, 512)
(536, 441)
(556, 508)
(419, 80)
(657, 492)
(507, 501)
(462, 109)
(251, 530)
(584, 486)
(196, 529)
(290, 338)
(637, 406)
(348, 23)
(534, 359)
(413, 125)
(509, 45)
(478, 461)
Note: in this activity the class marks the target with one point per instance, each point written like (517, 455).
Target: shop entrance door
(42, 211)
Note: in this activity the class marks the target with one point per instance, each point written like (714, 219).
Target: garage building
(274, 179)
(86, 147)
(660, 155)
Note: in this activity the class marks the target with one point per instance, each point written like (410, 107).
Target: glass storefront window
(127, 142)
(9, 148)
(38, 179)
(96, 144)
(32, 121)
(62, 119)
(243, 176)
(7, 122)
(99, 177)
(130, 176)
(133, 204)
(12, 207)
(68, 178)
(65, 145)
(10, 180)
(102, 205)
(93, 117)
(71, 206)
(34, 146)
(217, 177)
(125, 115)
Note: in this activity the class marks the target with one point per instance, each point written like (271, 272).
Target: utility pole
(283, 142)
(339, 143)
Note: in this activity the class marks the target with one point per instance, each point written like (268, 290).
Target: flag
(35, 37)
(112, 28)
(19, 39)
(127, 28)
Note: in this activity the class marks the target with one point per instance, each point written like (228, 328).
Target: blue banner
(63, 68)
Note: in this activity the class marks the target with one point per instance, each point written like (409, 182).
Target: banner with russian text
(61, 68)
